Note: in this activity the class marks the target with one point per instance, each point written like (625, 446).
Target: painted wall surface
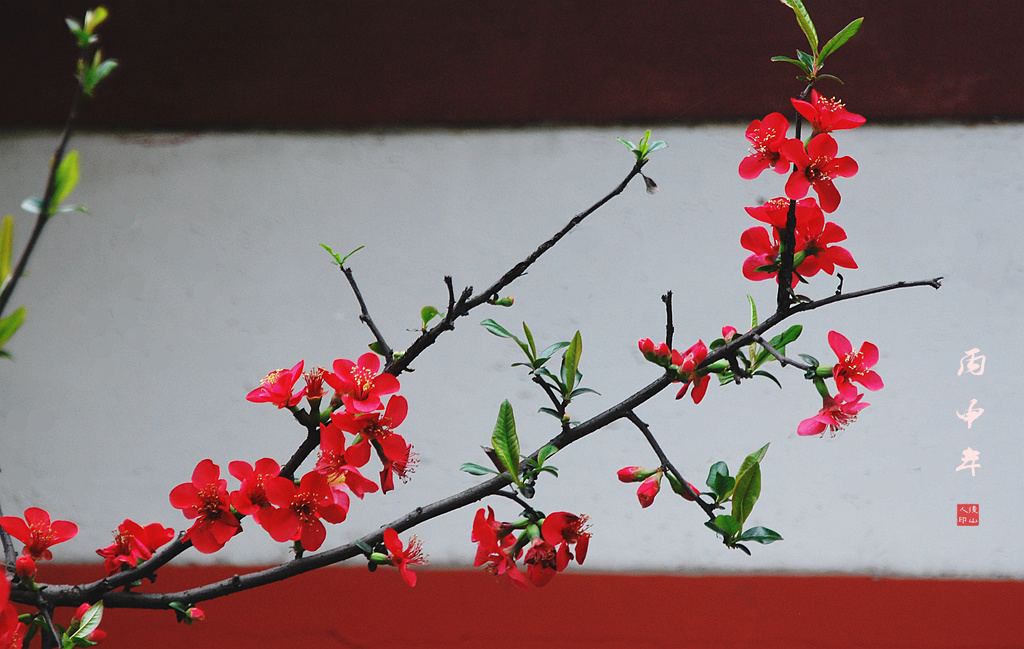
(199, 271)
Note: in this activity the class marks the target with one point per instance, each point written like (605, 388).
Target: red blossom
(277, 388)
(398, 459)
(373, 428)
(496, 544)
(359, 384)
(134, 543)
(315, 383)
(37, 532)
(251, 497)
(206, 500)
(766, 138)
(827, 115)
(687, 364)
(816, 167)
(648, 489)
(836, 414)
(853, 366)
(335, 465)
(541, 562)
(563, 529)
(403, 558)
(195, 614)
(820, 254)
(634, 474)
(776, 211)
(25, 568)
(299, 510)
(12, 632)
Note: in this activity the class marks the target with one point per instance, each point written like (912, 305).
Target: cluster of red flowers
(295, 512)
(813, 166)
(543, 546)
(683, 364)
(839, 411)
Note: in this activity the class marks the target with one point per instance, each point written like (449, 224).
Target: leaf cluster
(644, 148)
(810, 64)
(743, 490)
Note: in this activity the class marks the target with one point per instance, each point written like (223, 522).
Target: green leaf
(761, 535)
(544, 453)
(475, 469)
(753, 311)
(497, 329)
(840, 39)
(337, 257)
(753, 458)
(572, 361)
(90, 620)
(740, 546)
(96, 73)
(505, 441)
(578, 391)
(629, 145)
(6, 246)
(543, 371)
(65, 179)
(840, 81)
(94, 17)
(810, 360)
(799, 64)
(804, 19)
(768, 375)
(550, 351)
(746, 493)
(376, 348)
(529, 339)
(366, 549)
(728, 525)
(427, 314)
(806, 59)
(345, 258)
(656, 145)
(549, 469)
(10, 324)
(718, 468)
(550, 411)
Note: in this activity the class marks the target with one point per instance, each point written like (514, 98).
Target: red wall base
(350, 607)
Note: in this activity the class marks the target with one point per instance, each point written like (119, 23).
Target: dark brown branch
(787, 236)
(667, 465)
(364, 315)
(466, 304)
(669, 327)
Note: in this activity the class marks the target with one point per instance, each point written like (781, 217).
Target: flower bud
(649, 488)
(728, 333)
(635, 473)
(195, 614)
(25, 568)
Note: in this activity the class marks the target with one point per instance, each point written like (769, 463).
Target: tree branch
(364, 316)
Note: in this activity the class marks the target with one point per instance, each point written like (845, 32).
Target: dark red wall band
(470, 609)
(241, 64)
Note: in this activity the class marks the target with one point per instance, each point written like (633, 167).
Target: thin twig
(525, 505)
(781, 358)
(669, 327)
(667, 465)
(558, 403)
(364, 316)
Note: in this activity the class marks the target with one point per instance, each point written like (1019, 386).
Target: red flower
(634, 474)
(836, 414)
(827, 115)
(687, 363)
(495, 546)
(359, 384)
(301, 509)
(206, 500)
(134, 543)
(541, 562)
(775, 212)
(12, 632)
(251, 497)
(816, 242)
(195, 614)
(372, 427)
(853, 366)
(277, 388)
(398, 460)
(334, 464)
(766, 137)
(816, 167)
(315, 383)
(563, 529)
(402, 559)
(37, 532)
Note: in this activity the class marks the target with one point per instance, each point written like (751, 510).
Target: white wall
(198, 272)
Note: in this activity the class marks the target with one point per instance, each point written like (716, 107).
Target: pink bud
(25, 567)
(649, 488)
(196, 614)
(728, 333)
